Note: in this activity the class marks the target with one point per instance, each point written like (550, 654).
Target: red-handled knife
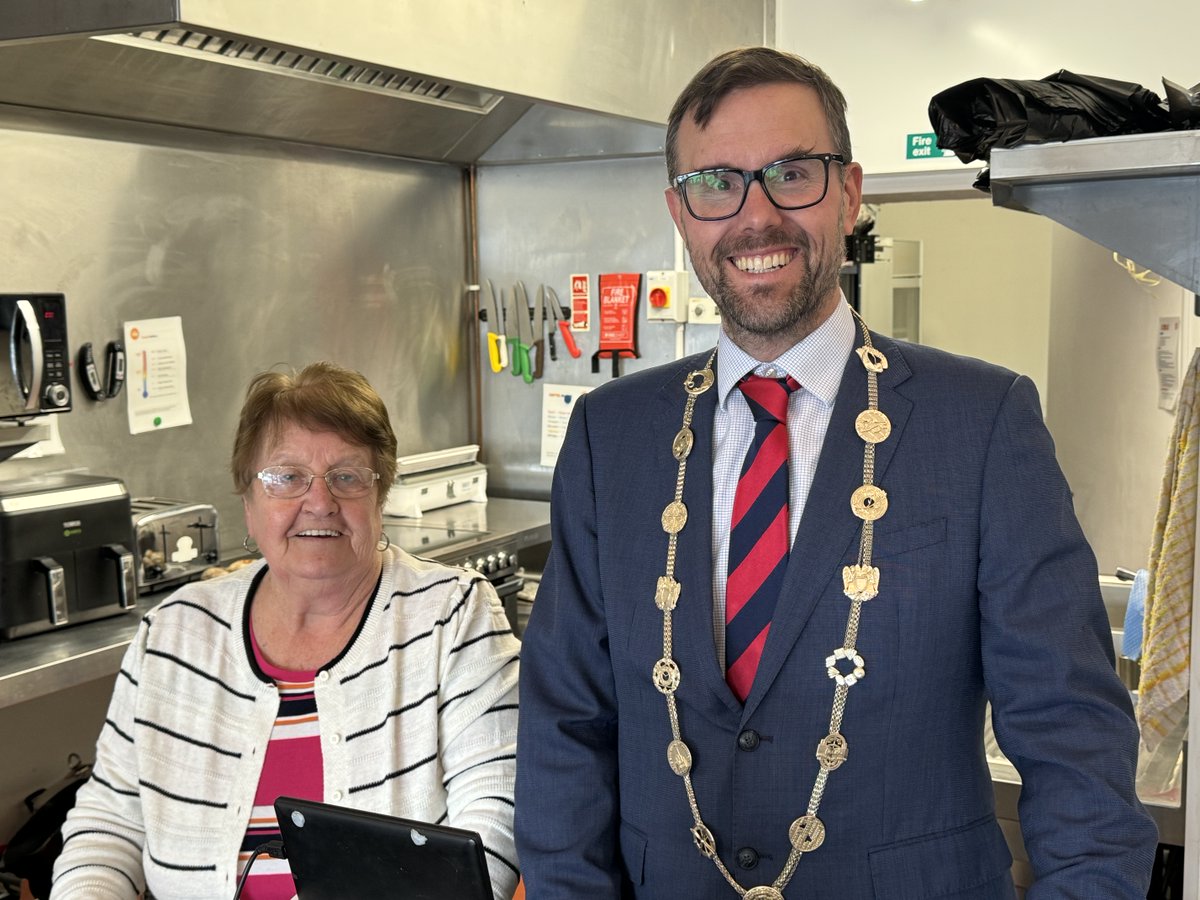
(559, 317)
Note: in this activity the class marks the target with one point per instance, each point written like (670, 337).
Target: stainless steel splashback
(436, 81)
(270, 253)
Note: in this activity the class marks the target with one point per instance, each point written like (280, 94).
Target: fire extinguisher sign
(581, 303)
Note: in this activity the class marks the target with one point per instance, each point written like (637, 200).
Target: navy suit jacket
(989, 592)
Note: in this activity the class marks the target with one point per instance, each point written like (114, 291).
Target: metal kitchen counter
(43, 664)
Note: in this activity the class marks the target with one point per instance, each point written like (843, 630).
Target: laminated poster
(1167, 362)
(557, 402)
(156, 375)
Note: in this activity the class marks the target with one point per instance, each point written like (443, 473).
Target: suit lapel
(828, 530)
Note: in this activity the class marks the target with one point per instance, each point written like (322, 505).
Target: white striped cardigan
(418, 718)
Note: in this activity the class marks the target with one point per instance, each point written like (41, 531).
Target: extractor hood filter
(305, 65)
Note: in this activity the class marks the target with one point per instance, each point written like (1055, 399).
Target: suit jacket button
(747, 857)
(748, 740)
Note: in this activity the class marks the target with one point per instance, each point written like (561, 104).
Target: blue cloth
(1135, 615)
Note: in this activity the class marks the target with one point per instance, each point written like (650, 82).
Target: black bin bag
(973, 117)
(33, 849)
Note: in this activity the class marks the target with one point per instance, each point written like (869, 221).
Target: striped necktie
(758, 539)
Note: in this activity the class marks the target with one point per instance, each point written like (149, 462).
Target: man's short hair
(751, 67)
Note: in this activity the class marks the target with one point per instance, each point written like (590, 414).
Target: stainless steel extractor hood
(442, 81)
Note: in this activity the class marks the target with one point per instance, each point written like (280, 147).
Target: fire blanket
(618, 319)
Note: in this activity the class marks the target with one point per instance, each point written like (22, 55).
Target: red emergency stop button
(658, 298)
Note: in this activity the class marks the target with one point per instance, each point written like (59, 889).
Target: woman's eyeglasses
(289, 482)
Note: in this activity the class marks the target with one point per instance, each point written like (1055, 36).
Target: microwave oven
(34, 356)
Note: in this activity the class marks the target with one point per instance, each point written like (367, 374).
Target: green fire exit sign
(924, 146)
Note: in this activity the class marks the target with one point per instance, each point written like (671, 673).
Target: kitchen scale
(427, 481)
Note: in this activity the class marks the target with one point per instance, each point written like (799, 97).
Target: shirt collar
(817, 362)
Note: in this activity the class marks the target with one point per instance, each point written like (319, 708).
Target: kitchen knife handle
(532, 370)
(569, 338)
(496, 351)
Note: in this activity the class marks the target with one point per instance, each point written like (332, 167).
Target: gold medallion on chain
(807, 833)
(764, 892)
(832, 751)
(674, 517)
(682, 445)
(680, 757)
(667, 594)
(868, 503)
(872, 426)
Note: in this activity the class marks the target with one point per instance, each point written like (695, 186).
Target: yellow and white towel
(1166, 644)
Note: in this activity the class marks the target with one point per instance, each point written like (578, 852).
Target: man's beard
(752, 310)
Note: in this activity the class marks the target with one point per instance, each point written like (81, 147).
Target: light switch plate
(702, 311)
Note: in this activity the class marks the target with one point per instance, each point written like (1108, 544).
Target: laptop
(338, 853)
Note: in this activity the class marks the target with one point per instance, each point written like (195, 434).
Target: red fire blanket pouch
(618, 319)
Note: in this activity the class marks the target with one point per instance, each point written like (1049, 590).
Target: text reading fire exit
(924, 146)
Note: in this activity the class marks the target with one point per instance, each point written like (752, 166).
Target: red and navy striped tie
(758, 539)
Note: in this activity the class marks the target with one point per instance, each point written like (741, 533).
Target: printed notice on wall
(156, 375)
(557, 402)
(1168, 362)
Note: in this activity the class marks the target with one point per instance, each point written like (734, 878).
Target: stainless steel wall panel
(544, 223)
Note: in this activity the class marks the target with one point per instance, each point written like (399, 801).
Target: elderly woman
(337, 668)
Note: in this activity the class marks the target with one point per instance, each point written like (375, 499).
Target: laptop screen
(338, 853)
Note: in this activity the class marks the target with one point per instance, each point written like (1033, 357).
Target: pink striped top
(291, 767)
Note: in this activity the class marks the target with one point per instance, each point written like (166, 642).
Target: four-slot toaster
(174, 541)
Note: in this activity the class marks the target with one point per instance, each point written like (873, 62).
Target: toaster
(174, 541)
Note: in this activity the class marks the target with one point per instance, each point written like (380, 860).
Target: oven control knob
(491, 562)
(57, 394)
(479, 564)
(501, 559)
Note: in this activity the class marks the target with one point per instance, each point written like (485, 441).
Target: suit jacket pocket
(971, 861)
(907, 538)
(633, 852)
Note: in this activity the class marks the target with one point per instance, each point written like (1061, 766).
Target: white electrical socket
(703, 311)
(666, 296)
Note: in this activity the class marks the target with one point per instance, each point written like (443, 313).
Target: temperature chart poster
(156, 375)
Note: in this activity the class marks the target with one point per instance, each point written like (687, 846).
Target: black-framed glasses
(289, 482)
(793, 183)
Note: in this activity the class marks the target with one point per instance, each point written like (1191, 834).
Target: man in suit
(801, 713)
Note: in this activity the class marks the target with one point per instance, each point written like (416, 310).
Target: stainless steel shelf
(1138, 195)
(16, 437)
